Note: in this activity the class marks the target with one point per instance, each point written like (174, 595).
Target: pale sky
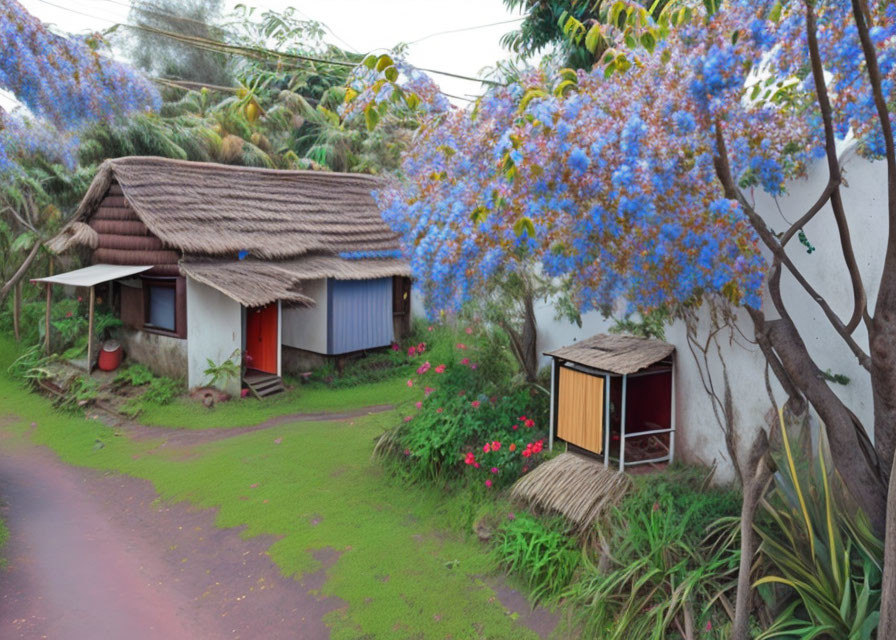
(363, 24)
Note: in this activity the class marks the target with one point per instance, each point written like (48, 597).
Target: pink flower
(418, 404)
(394, 346)
(488, 483)
(496, 445)
(421, 347)
(470, 459)
(469, 330)
(439, 410)
(475, 465)
(474, 366)
(430, 329)
(412, 351)
(80, 299)
(68, 314)
(461, 345)
(527, 452)
(530, 423)
(410, 383)
(486, 447)
(465, 361)
(475, 404)
(440, 369)
(407, 418)
(428, 390)
(511, 516)
(494, 469)
(407, 452)
(709, 625)
(423, 368)
(515, 427)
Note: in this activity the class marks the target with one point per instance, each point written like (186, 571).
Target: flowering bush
(462, 407)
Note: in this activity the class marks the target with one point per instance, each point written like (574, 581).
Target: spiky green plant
(821, 548)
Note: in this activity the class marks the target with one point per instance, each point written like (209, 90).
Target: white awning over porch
(93, 275)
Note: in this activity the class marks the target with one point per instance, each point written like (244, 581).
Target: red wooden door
(261, 338)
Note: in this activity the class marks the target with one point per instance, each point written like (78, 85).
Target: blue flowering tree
(631, 182)
(62, 84)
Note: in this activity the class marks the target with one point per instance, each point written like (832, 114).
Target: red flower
(418, 404)
(465, 361)
(530, 423)
(423, 368)
(461, 345)
(407, 418)
(439, 410)
(428, 390)
(412, 351)
(394, 346)
(527, 453)
(68, 314)
(469, 330)
(475, 404)
(470, 459)
(496, 445)
(494, 469)
(488, 483)
(410, 383)
(440, 369)
(515, 427)
(421, 347)
(486, 447)
(512, 446)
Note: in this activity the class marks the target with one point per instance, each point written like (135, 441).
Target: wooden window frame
(180, 316)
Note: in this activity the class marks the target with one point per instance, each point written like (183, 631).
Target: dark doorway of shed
(648, 409)
(261, 339)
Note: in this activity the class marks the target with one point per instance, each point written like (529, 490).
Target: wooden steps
(263, 384)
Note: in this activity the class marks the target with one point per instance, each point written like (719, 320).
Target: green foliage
(821, 548)
(134, 375)
(81, 391)
(30, 367)
(666, 553)
(653, 325)
(161, 391)
(228, 369)
(540, 552)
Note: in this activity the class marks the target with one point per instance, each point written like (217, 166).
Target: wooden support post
(47, 319)
(622, 424)
(17, 310)
(552, 424)
(90, 330)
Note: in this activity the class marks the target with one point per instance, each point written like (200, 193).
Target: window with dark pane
(160, 311)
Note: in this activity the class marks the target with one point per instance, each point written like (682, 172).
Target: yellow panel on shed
(580, 410)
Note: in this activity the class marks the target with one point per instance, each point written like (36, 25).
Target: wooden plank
(580, 409)
(47, 319)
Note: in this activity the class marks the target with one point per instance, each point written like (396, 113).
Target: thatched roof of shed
(218, 210)
(615, 353)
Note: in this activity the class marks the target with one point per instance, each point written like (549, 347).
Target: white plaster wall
(306, 327)
(699, 436)
(214, 330)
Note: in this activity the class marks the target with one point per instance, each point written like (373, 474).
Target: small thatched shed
(242, 260)
(615, 395)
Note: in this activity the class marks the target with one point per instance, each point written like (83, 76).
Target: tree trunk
(17, 310)
(23, 268)
(882, 341)
(529, 340)
(887, 627)
(851, 450)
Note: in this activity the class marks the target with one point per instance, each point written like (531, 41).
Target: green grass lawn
(300, 399)
(402, 570)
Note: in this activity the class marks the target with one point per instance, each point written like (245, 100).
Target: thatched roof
(76, 233)
(574, 486)
(251, 283)
(220, 210)
(614, 353)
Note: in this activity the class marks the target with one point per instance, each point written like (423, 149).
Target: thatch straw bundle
(576, 487)
(616, 353)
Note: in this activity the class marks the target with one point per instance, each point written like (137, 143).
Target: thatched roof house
(296, 239)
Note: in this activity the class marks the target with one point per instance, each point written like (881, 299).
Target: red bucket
(110, 356)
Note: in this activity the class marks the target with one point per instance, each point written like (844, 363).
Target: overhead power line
(465, 29)
(257, 53)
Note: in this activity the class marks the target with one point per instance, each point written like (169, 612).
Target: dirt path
(91, 556)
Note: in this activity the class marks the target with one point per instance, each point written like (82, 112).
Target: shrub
(821, 549)
(80, 392)
(538, 551)
(161, 391)
(30, 366)
(135, 375)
